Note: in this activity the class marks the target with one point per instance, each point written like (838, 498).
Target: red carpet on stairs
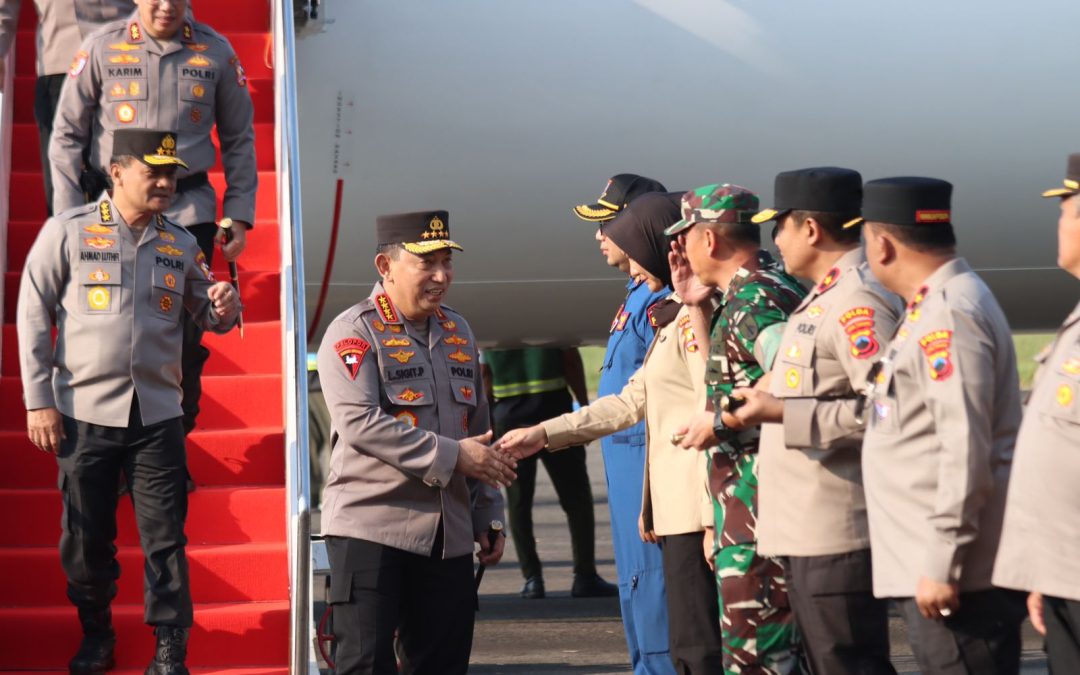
(236, 520)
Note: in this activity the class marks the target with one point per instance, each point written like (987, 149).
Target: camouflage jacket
(752, 303)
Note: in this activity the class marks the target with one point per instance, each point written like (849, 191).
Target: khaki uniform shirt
(62, 26)
(938, 450)
(665, 392)
(810, 493)
(399, 403)
(1040, 543)
(116, 303)
(123, 78)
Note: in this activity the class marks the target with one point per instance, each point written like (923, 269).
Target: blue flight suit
(641, 574)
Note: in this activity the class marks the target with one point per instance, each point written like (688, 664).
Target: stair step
(215, 458)
(260, 292)
(218, 574)
(30, 201)
(262, 253)
(224, 634)
(235, 515)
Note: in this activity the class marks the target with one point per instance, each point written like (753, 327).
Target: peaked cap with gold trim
(152, 147)
(1072, 179)
(419, 232)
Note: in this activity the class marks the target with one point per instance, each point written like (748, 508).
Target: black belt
(192, 182)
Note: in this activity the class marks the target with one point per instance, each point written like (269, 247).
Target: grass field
(1027, 346)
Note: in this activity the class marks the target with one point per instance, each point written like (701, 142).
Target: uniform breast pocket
(1060, 400)
(99, 289)
(796, 368)
(464, 392)
(196, 104)
(167, 294)
(410, 393)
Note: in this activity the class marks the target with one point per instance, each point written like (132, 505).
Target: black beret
(907, 200)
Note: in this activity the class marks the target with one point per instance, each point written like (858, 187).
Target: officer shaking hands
(114, 278)
(413, 480)
(1040, 542)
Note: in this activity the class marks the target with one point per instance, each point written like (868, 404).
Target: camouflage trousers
(756, 623)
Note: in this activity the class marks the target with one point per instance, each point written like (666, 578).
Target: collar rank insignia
(455, 341)
(189, 34)
(396, 342)
(460, 356)
(467, 392)
(407, 418)
(440, 315)
(918, 298)
(858, 323)
(351, 351)
(105, 211)
(935, 346)
(402, 356)
(829, 281)
(99, 243)
(168, 249)
(410, 395)
(97, 229)
(386, 308)
(134, 32)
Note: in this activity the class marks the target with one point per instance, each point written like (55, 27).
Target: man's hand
(224, 299)
(708, 547)
(760, 406)
(237, 244)
(683, 280)
(477, 459)
(1035, 611)
(525, 442)
(45, 427)
(490, 554)
(647, 536)
(699, 435)
(935, 599)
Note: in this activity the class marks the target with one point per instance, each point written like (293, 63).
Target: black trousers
(980, 638)
(46, 95)
(194, 355)
(1062, 619)
(376, 589)
(844, 628)
(693, 611)
(568, 474)
(152, 458)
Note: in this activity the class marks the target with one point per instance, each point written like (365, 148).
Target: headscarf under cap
(639, 231)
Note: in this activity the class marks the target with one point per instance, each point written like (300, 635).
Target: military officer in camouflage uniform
(114, 278)
(1040, 542)
(721, 246)
(405, 498)
(158, 69)
(944, 412)
(811, 505)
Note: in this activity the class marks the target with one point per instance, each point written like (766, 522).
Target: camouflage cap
(716, 203)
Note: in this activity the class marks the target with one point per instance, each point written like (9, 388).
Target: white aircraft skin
(508, 113)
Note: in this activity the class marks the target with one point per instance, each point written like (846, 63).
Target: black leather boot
(170, 653)
(95, 654)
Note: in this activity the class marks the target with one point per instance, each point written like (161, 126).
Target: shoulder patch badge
(351, 351)
(621, 317)
(241, 76)
(936, 346)
(78, 63)
(858, 323)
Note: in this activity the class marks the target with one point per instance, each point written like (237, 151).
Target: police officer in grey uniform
(811, 504)
(62, 26)
(1040, 544)
(939, 444)
(157, 68)
(413, 480)
(114, 278)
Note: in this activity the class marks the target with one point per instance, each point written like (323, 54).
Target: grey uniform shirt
(121, 78)
(810, 494)
(939, 447)
(116, 304)
(398, 406)
(1040, 543)
(62, 26)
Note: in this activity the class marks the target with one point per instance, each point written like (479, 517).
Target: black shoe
(170, 653)
(95, 654)
(592, 586)
(533, 588)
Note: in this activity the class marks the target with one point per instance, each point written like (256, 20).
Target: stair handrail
(7, 87)
(294, 337)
